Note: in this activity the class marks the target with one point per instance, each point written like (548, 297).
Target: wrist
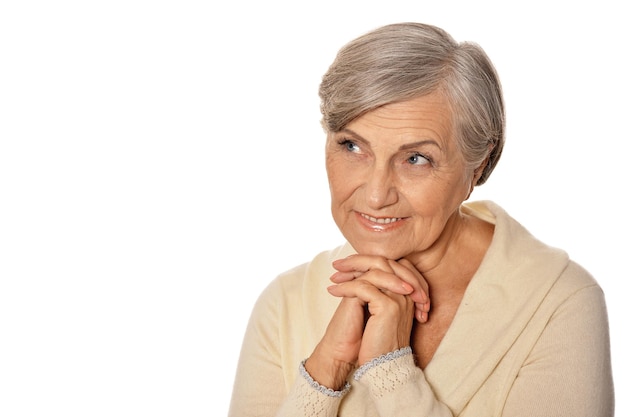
(329, 373)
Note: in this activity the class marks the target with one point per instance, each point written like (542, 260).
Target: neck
(450, 263)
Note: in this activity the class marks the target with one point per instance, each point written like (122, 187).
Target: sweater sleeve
(259, 386)
(309, 399)
(568, 372)
(398, 388)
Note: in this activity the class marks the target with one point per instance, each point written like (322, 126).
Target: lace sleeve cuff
(320, 388)
(380, 360)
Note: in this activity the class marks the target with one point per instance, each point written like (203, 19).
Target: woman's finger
(390, 316)
(362, 263)
(408, 273)
(377, 298)
(383, 281)
(339, 276)
(354, 266)
(402, 277)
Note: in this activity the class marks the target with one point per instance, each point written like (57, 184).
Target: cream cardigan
(530, 338)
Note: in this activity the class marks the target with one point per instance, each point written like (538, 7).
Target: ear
(477, 173)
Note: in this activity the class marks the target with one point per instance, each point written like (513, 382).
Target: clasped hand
(380, 298)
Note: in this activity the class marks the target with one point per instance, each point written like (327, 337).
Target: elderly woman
(434, 306)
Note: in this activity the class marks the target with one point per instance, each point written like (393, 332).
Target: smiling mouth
(381, 220)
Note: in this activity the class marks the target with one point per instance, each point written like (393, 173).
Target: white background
(162, 161)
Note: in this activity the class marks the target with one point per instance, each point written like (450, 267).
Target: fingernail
(407, 287)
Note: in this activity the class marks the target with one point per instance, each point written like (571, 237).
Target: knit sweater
(530, 338)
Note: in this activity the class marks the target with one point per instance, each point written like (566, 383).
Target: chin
(379, 249)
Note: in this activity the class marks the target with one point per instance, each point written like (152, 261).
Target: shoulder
(308, 280)
(575, 282)
(296, 305)
(515, 253)
(310, 272)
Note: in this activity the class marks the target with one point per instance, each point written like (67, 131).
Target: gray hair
(406, 60)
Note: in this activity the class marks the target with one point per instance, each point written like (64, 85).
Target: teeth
(385, 220)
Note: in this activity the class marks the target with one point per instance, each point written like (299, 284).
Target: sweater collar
(511, 282)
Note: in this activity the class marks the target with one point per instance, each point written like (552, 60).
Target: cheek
(338, 180)
(339, 191)
(433, 198)
(344, 193)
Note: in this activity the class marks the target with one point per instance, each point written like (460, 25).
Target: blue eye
(349, 145)
(417, 159)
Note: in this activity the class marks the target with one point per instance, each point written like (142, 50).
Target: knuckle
(381, 263)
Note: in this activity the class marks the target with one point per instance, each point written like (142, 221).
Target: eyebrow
(402, 148)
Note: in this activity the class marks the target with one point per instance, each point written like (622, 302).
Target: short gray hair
(402, 61)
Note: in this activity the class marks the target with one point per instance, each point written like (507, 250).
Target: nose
(380, 188)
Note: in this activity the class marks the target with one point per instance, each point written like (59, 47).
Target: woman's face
(397, 177)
